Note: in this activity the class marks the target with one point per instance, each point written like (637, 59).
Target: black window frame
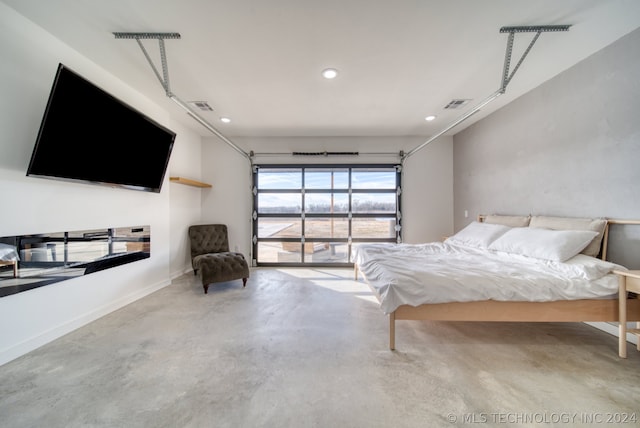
(303, 216)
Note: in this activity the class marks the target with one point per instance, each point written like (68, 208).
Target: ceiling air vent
(202, 105)
(453, 104)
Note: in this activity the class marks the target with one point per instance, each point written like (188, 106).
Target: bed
(500, 268)
(9, 257)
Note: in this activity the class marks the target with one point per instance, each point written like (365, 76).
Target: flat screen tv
(87, 135)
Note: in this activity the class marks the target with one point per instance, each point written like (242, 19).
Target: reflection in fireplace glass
(32, 261)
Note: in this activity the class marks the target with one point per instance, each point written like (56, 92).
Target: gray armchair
(210, 254)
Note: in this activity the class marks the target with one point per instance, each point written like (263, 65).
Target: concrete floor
(308, 348)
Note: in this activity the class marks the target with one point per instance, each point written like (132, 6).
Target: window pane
(281, 203)
(373, 228)
(326, 252)
(279, 252)
(374, 203)
(279, 227)
(373, 179)
(326, 227)
(322, 192)
(280, 178)
(326, 179)
(324, 203)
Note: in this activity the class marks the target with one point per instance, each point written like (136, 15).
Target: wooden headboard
(605, 236)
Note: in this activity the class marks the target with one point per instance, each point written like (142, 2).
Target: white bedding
(405, 274)
(8, 253)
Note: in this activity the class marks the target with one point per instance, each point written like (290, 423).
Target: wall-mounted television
(88, 135)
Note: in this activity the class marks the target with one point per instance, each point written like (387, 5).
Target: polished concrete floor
(308, 348)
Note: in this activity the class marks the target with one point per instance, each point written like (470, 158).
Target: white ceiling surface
(259, 62)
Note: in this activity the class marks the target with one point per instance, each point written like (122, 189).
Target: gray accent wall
(570, 147)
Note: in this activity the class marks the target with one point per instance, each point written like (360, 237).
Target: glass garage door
(315, 215)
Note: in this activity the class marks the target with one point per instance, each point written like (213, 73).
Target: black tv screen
(88, 135)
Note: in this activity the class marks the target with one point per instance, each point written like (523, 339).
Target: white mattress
(405, 274)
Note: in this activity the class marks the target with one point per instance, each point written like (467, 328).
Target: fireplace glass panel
(32, 261)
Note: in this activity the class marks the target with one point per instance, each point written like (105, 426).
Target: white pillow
(478, 235)
(571, 223)
(556, 245)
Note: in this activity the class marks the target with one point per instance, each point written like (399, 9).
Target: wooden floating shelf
(189, 182)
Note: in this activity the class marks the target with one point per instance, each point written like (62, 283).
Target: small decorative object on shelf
(189, 182)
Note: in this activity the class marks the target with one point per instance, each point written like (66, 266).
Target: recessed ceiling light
(329, 73)
(225, 119)
(430, 118)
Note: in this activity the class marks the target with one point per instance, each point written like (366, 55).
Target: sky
(292, 179)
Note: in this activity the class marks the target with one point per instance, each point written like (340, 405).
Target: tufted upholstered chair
(210, 254)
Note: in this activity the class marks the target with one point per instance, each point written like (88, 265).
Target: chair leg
(244, 282)
(206, 288)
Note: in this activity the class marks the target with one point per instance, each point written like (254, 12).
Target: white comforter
(8, 253)
(405, 274)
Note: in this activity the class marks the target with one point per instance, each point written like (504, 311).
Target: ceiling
(259, 62)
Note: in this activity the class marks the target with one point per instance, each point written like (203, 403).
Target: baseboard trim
(187, 269)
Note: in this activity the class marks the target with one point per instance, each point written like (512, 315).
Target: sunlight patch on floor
(335, 279)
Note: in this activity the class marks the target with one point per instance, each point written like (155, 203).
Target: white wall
(185, 201)
(30, 205)
(428, 192)
(427, 179)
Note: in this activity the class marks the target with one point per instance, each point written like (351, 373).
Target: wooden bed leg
(355, 272)
(392, 331)
(622, 316)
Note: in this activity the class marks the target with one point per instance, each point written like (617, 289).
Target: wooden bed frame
(10, 263)
(585, 310)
